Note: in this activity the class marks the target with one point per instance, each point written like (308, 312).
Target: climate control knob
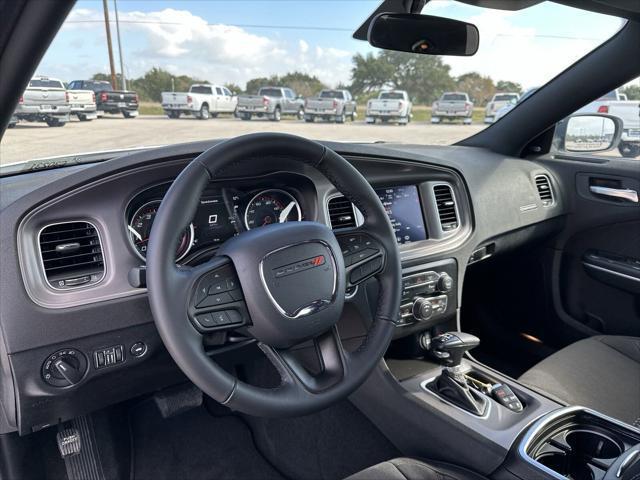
(422, 309)
(445, 283)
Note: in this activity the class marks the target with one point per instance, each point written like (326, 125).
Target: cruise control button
(220, 318)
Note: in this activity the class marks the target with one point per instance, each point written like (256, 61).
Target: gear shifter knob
(450, 347)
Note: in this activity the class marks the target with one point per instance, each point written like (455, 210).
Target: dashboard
(79, 238)
(225, 212)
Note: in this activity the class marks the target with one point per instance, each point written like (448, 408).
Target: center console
(578, 443)
(491, 423)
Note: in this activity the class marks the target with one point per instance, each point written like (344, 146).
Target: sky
(234, 41)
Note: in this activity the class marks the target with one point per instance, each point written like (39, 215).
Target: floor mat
(194, 446)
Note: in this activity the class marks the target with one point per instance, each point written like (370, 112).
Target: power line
(239, 25)
(311, 27)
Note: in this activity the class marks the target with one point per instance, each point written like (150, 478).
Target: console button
(138, 349)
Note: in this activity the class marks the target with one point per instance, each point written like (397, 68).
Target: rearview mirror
(591, 133)
(424, 34)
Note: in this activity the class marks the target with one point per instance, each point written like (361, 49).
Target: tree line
(425, 77)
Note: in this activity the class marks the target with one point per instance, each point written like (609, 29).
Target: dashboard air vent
(71, 254)
(446, 205)
(544, 190)
(341, 213)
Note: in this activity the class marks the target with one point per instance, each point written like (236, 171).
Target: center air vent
(446, 205)
(71, 254)
(544, 190)
(341, 213)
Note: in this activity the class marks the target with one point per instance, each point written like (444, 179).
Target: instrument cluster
(222, 214)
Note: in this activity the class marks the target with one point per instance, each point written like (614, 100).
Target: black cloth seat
(601, 373)
(411, 469)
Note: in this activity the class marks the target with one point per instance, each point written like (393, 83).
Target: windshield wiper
(49, 163)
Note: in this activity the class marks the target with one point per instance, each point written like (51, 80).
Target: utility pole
(106, 25)
(124, 80)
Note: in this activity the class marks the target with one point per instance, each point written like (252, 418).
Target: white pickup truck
(452, 106)
(390, 106)
(203, 101)
(498, 101)
(616, 104)
(83, 104)
(45, 100)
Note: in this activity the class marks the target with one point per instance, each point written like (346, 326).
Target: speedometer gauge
(139, 228)
(271, 206)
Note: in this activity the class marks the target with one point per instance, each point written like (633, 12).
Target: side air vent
(544, 190)
(341, 213)
(446, 205)
(71, 254)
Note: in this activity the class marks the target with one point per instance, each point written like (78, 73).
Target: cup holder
(568, 465)
(593, 444)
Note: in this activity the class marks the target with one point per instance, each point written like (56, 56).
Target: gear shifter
(449, 348)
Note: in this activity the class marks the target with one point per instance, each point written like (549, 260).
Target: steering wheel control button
(217, 288)
(138, 349)
(221, 318)
(356, 249)
(64, 368)
(107, 357)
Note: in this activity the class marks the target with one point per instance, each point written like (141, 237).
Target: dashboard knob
(422, 309)
(64, 368)
(445, 282)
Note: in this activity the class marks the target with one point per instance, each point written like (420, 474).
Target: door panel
(597, 289)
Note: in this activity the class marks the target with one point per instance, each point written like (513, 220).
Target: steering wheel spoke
(216, 301)
(363, 255)
(331, 356)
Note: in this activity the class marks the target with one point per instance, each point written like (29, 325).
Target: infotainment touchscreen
(405, 212)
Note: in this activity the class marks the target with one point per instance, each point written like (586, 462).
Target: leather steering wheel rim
(169, 285)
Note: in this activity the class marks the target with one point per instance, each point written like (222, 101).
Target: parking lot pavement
(36, 140)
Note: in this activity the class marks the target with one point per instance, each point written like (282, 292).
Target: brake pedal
(79, 450)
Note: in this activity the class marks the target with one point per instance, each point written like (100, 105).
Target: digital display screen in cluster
(213, 224)
(405, 212)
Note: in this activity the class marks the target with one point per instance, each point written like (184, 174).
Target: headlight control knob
(64, 368)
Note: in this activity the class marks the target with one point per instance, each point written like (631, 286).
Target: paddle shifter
(449, 348)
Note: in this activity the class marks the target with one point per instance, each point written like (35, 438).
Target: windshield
(504, 98)
(200, 89)
(161, 47)
(391, 96)
(45, 84)
(330, 94)
(453, 97)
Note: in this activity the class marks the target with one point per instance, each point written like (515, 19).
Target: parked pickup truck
(44, 100)
(502, 111)
(202, 101)
(272, 103)
(109, 100)
(498, 101)
(452, 106)
(82, 103)
(390, 106)
(330, 105)
(615, 103)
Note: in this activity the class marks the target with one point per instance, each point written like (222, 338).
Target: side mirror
(588, 133)
(424, 34)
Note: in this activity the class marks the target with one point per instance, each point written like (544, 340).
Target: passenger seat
(601, 373)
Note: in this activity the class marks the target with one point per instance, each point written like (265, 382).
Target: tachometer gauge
(139, 228)
(271, 206)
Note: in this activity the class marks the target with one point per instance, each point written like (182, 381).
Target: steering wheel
(283, 283)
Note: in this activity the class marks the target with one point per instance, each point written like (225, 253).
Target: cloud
(219, 53)
(521, 54)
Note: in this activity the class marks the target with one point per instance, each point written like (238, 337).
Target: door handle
(623, 193)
